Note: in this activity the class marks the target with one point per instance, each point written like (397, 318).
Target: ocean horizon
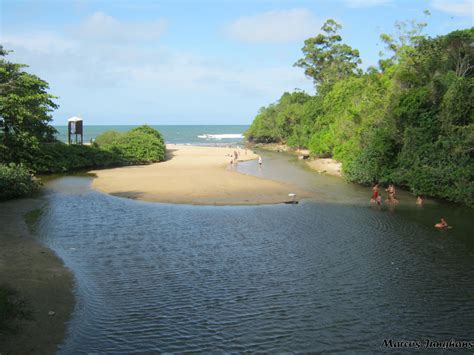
(174, 134)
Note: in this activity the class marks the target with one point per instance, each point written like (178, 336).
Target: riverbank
(40, 278)
(321, 165)
(195, 175)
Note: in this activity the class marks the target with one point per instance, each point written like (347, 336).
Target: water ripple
(312, 277)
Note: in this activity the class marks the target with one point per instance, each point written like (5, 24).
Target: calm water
(328, 275)
(195, 135)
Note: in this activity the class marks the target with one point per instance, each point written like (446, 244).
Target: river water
(333, 274)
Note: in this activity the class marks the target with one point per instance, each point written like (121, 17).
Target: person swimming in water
(391, 194)
(442, 224)
(419, 200)
(376, 198)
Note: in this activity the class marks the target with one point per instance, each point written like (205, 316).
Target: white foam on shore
(221, 136)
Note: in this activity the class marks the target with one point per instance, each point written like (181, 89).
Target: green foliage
(107, 138)
(137, 146)
(287, 120)
(16, 181)
(59, 157)
(411, 122)
(326, 60)
(25, 107)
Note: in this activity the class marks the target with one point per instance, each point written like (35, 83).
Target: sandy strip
(326, 166)
(41, 280)
(194, 175)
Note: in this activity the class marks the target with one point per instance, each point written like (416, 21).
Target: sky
(116, 62)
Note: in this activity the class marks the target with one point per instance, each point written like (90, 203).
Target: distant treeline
(28, 146)
(409, 121)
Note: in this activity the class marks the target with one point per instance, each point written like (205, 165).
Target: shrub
(59, 157)
(137, 146)
(108, 137)
(16, 181)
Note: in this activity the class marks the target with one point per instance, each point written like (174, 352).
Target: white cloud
(102, 66)
(101, 26)
(277, 26)
(39, 42)
(455, 7)
(366, 3)
(89, 73)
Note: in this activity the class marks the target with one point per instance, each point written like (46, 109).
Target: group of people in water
(377, 198)
(391, 199)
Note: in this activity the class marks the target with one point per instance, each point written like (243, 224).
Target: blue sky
(192, 62)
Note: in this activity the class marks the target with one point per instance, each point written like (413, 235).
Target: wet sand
(194, 175)
(41, 280)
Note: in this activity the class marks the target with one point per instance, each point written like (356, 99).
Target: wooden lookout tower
(74, 129)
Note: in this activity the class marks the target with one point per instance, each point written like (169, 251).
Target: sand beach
(195, 175)
(326, 166)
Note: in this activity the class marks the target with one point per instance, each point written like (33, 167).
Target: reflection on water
(317, 276)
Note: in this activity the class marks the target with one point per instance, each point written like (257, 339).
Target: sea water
(176, 134)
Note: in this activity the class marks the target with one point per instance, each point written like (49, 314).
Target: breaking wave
(221, 136)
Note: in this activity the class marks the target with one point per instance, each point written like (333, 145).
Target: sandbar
(195, 175)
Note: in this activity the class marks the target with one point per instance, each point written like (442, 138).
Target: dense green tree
(326, 60)
(25, 107)
(410, 122)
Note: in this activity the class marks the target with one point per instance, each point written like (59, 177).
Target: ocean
(176, 134)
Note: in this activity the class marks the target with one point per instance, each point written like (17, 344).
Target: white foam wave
(221, 136)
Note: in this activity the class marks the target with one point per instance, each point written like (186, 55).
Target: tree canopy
(326, 60)
(409, 122)
(25, 107)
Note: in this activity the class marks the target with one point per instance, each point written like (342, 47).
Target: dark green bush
(16, 181)
(60, 157)
(137, 146)
(108, 137)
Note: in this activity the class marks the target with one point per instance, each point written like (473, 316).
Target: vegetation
(410, 121)
(27, 143)
(16, 181)
(139, 145)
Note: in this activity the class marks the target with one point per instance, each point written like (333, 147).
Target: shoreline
(321, 165)
(40, 278)
(196, 175)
